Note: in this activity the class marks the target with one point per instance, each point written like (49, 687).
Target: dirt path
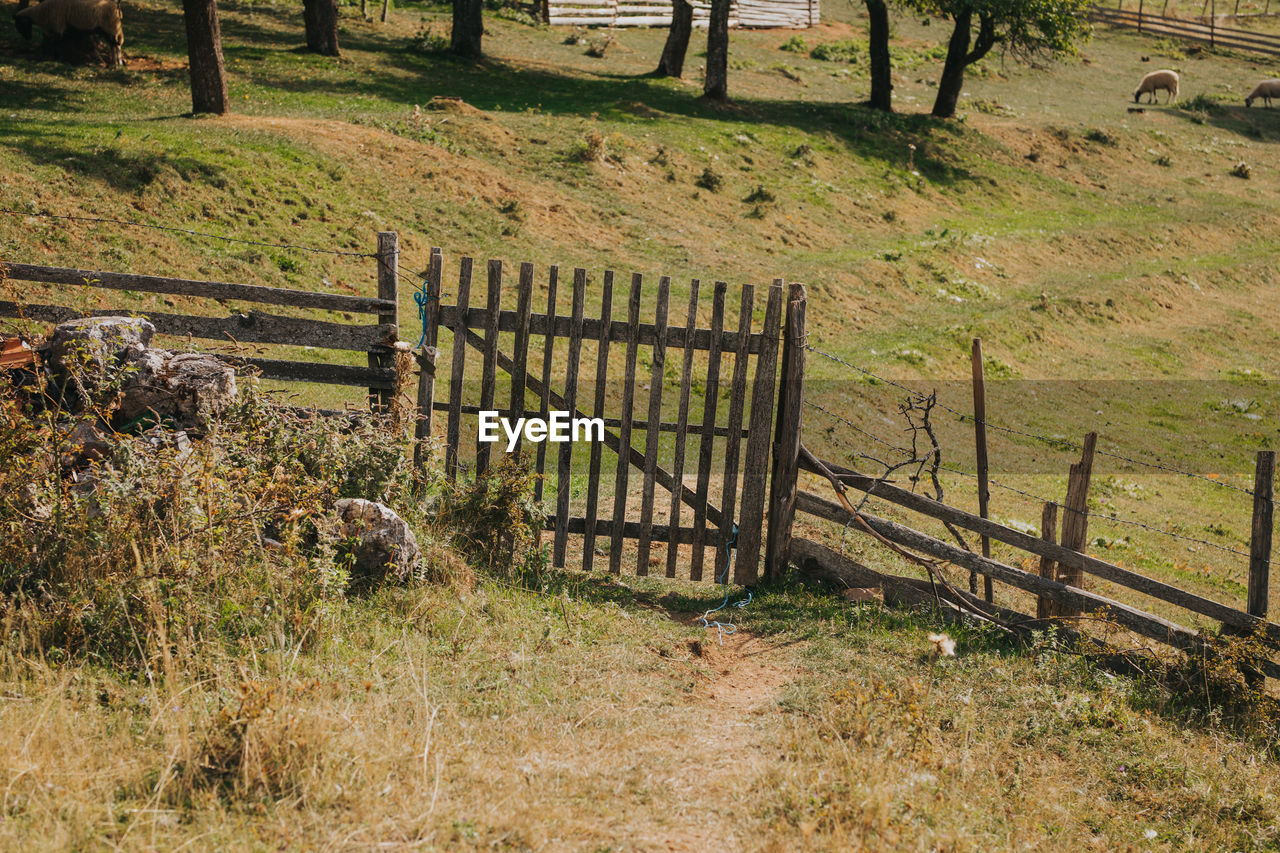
(726, 735)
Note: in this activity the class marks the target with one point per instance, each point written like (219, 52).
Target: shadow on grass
(1259, 123)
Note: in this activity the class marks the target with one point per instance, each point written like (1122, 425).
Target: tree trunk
(468, 27)
(881, 70)
(204, 56)
(672, 62)
(386, 9)
(716, 85)
(952, 81)
(320, 18)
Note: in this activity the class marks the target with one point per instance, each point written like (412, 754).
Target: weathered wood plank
(520, 351)
(544, 404)
(980, 443)
(1057, 553)
(737, 402)
(682, 424)
(1075, 518)
(388, 287)
(786, 452)
(656, 383)
(564, 471)
(1067, 597)
(597, 449)
(755, 467)
(427, 360)
(489, 360)
(710, 401)
(630, 529)
(190, 287)
(458, 369)
(1260, 538)
(624, 431)
(619, 330)
(254, 327)
(313, 371)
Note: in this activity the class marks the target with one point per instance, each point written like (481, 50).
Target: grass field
(1119, 271)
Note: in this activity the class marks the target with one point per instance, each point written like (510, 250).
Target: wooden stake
(980, 439)
(1260, 541)
(388, 267)
(1046, 609)
(786, 448)
(427, 361)
(1075, 520)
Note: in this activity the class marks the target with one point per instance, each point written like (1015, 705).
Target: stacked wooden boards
(657, 13)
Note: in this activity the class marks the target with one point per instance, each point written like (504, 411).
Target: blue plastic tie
(421, 297)
(724, 628)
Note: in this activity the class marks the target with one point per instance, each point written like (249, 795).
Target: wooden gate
(711, 461)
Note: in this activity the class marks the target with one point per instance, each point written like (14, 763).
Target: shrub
(795, 44)
(710, 179)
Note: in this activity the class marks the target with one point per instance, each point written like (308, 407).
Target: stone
(381, 543)
(188, 389)
(84, 355)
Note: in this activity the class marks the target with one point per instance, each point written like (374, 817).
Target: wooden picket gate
(728, 517)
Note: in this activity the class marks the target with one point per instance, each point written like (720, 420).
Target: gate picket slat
(427, 360)
(564, 469)
(597, 447)
(489, 376)
(624, 431)
(656, 376)
(454, 422)
(524, 310)
(709, 405)
(682, 424)
(548, 350)
(737, 401)
(755, 468)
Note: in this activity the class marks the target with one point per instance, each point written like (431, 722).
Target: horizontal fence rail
(251, 327)
(1205, 33)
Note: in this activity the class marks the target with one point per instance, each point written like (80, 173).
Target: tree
(204, 57)
(468, 27)
(673, 52)
(881, 70)
(716, 84)
(1028, 29)
(320, 18)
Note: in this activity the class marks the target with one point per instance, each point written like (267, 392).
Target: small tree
(468, 28)
(204, 57)
(1028, 29)
(673, 52)
(320, 18)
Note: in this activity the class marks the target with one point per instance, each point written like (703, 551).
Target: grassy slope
(1087, 260)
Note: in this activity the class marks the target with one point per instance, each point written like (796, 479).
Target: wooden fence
(795, 14)
(730, 517)
(1208, 32)
(377, 339)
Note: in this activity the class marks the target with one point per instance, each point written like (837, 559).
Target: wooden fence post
(786, 447)
(1075, 520)
(980, 438)
(1260, 541)
(430, 313)
(1045, 609)
(1139, 17)
(388, 272)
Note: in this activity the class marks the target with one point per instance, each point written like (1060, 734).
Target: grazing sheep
(1152, 83)
(1266, 90)
(64, 19)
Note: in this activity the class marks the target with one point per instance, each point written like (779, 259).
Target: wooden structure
(1207, 31)
(792, 14)
(377, 339)
(690, 413)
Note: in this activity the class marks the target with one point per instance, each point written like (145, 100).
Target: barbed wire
(1040, 499)
(201, 234)
(1060, 443)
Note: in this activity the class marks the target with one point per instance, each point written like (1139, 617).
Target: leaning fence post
(429, 311)
(980, 438)
(786, 448)
(1260, 541)
(1046, 609)
(388, 272)
(1075, 520)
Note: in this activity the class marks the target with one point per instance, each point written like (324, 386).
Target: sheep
(1266, 90)
(1152, 83)
(60, 19)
